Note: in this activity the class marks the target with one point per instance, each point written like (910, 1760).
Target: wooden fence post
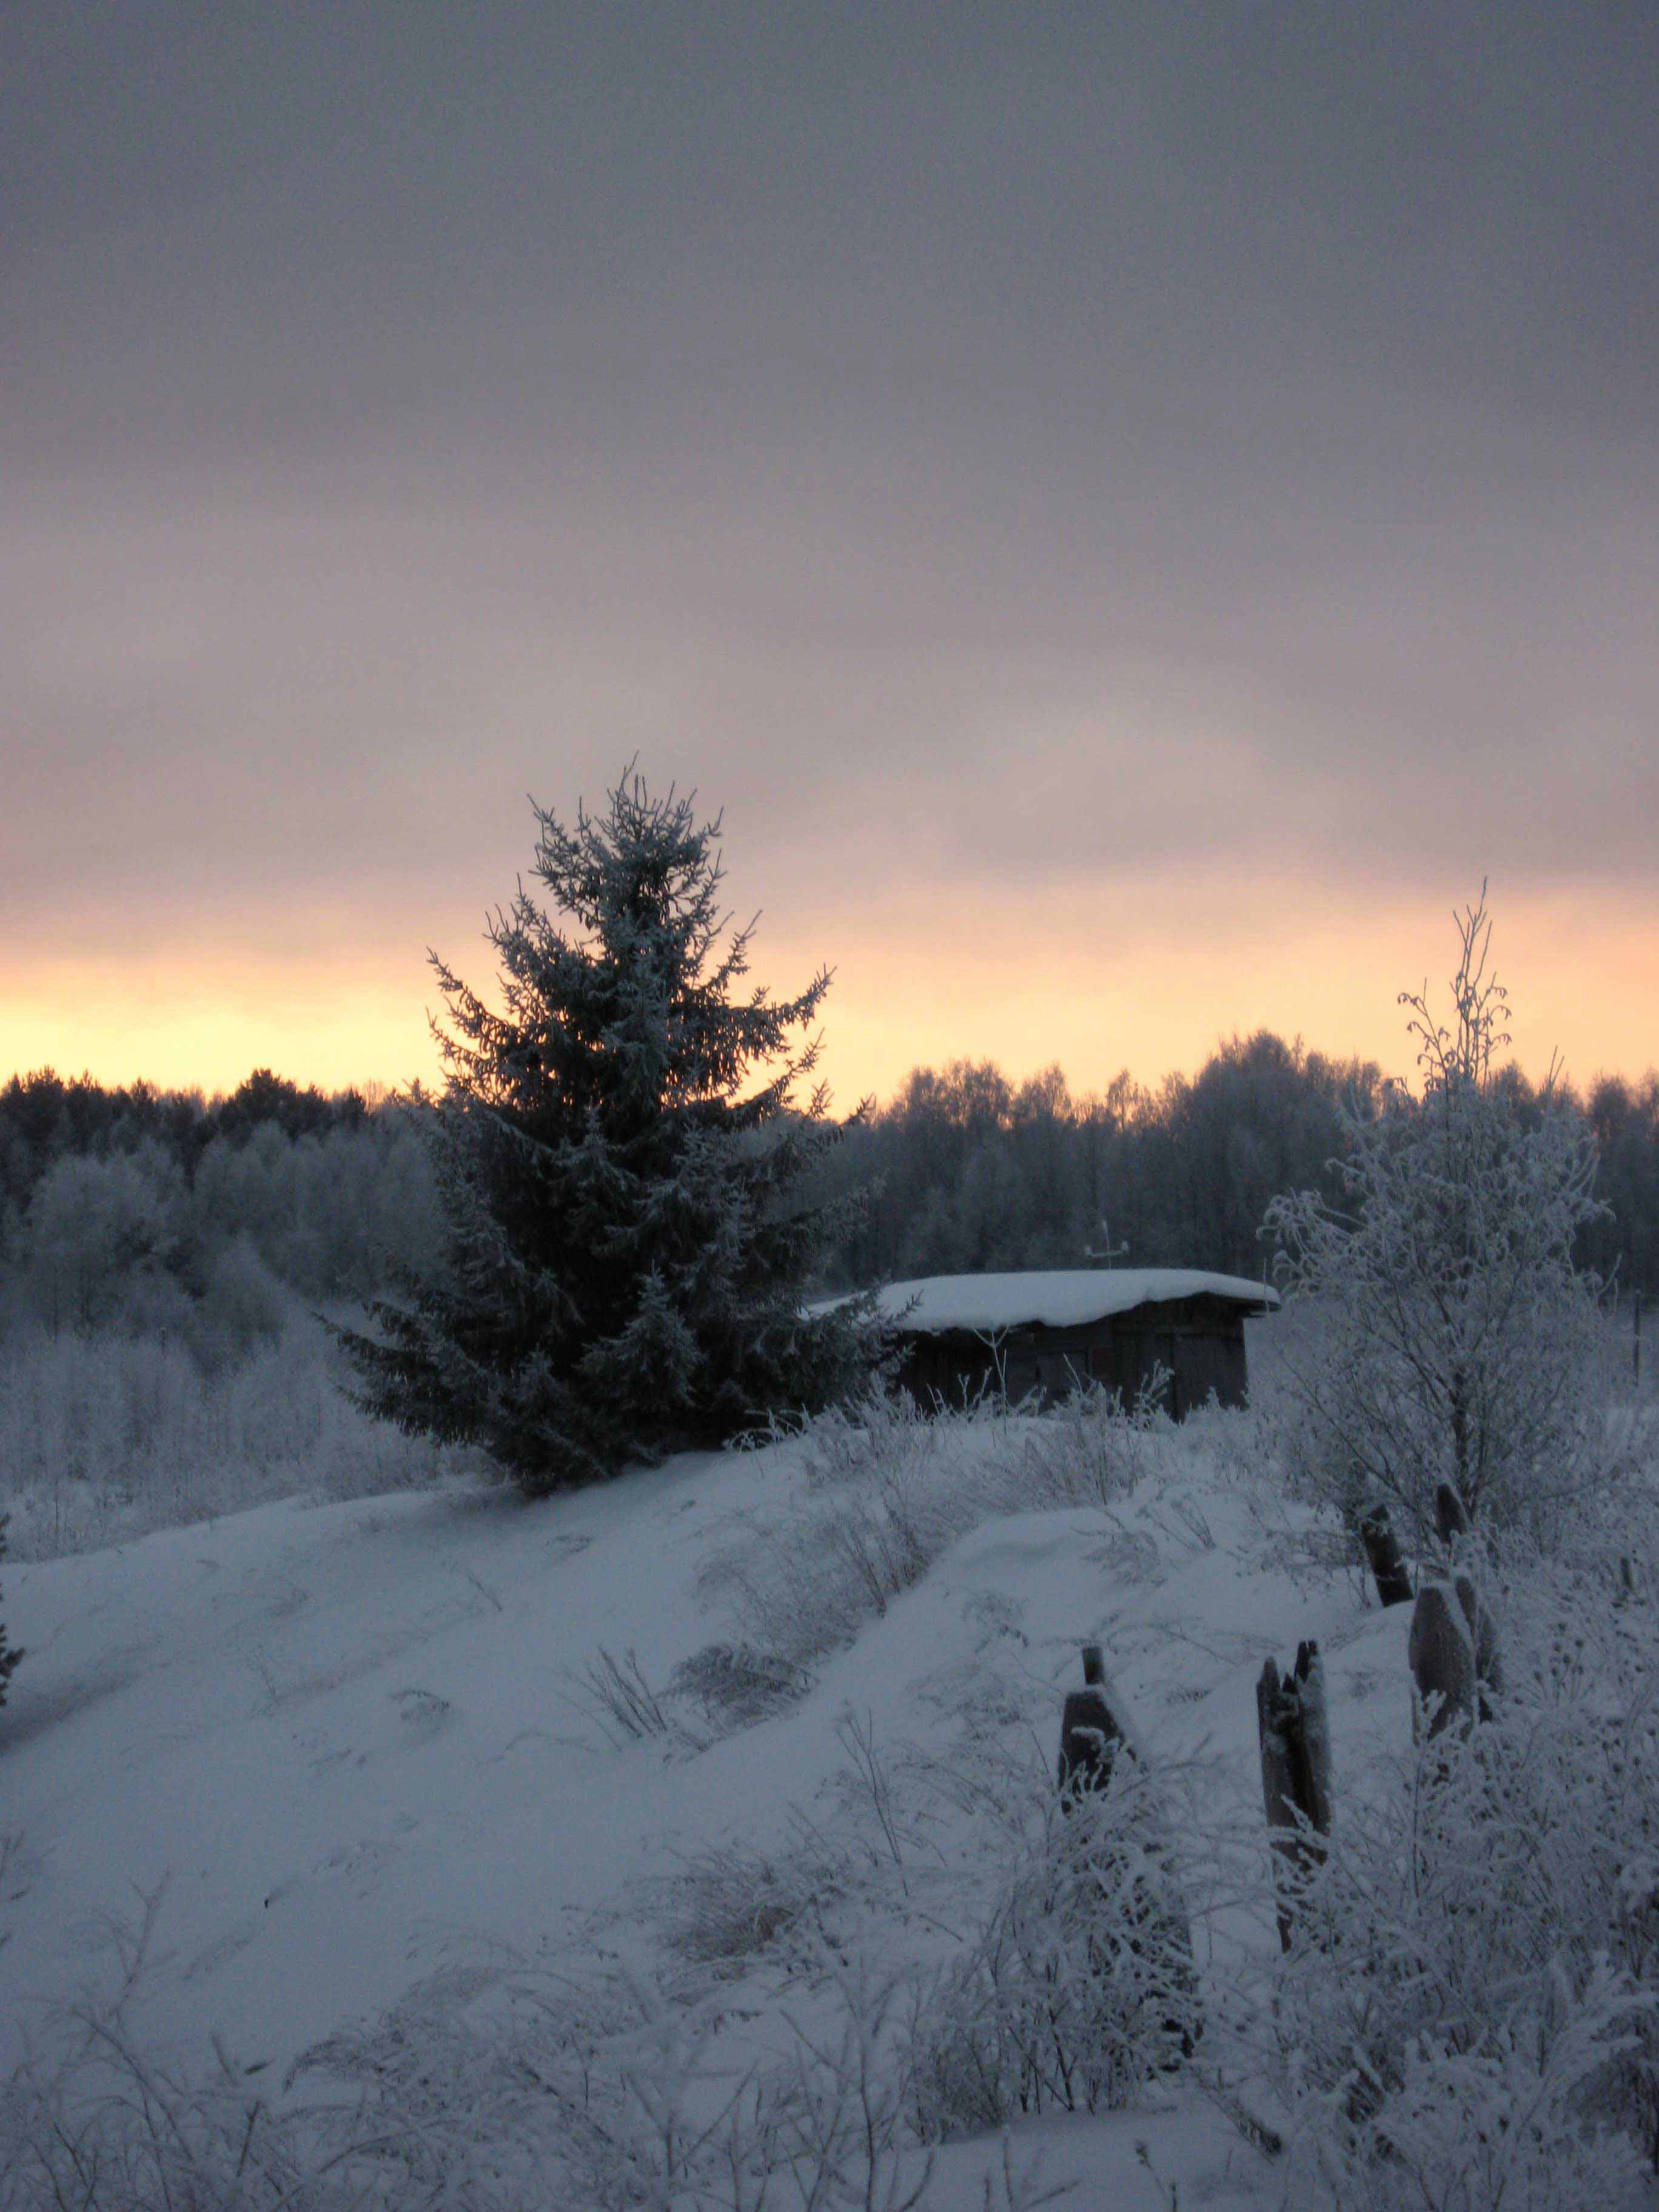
(1454, 1654)
(1393, 1584)
(1294, 1734)
(1442, 1654)
(1090, 1732)
(1451, 1515)
(1488, 1659)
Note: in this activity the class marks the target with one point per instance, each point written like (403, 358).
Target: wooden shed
(1048, 1332)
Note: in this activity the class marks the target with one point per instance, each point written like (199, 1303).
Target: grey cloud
(993, 445)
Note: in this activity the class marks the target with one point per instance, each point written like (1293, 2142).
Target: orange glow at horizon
(1150, 980)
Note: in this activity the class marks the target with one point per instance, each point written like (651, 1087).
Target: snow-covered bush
(1494, 2130)
(733, 1684)
(95, 2119)
(105, 1435)
(889, 1488)
(501, 2082)
(95, 1229)
(1090, 1450)
(887, 1491)
(564, 2083)
(243, 1307)
(1459, 1335)
(1078, 1986)
(1469, 1995)
(883, 1435)
(728, 1904)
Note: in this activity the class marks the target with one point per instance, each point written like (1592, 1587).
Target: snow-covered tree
(93, 1226)
(626, 1246)
(1457, 1328)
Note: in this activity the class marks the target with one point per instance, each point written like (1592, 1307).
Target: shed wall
(1199, 1341)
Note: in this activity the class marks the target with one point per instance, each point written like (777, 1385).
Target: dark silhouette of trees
(962, 1169)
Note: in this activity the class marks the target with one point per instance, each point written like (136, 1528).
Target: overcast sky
(1132, 512)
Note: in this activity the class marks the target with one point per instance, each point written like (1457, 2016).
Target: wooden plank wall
(1201, 1341)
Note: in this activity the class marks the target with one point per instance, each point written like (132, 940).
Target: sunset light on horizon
(1095, 989)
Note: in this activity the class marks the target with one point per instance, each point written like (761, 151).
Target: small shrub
(1497, 2130)
(728, 1904)
(1091, 1449)
(889, 1489)
(735, 1686)
(243, 1307)
(882, 1434)
(801, 1584)
(1080, 1986)
(614, 1694)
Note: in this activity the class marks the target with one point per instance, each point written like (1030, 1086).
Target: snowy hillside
(360, 1742)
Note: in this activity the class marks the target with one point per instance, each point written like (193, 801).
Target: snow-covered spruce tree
(626, 1243)
(1456, 1344)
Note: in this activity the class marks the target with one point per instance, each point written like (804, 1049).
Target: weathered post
(1442, 1654)
(1488, 1659)
(1090, 1732)
(1294, 1734)
(1394, 1583)
(1454, 1655)
(1451, 1515)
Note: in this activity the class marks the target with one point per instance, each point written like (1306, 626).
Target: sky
(1130, 513)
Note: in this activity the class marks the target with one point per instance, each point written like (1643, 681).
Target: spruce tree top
(627, 1014)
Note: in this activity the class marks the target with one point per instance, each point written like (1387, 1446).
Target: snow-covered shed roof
(1058, 1298)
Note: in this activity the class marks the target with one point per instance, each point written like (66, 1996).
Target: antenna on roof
(1108, 1252)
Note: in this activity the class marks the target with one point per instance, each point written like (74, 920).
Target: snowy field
(393, 1776)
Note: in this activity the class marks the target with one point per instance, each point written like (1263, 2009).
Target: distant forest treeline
(971, 1171)
(162, 1210)
(149, 1209)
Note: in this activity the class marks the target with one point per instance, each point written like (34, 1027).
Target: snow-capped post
(1296, 1773)
(1454, 1655)
(1090, 1732)
(1394, 1583)
(1451, 1519)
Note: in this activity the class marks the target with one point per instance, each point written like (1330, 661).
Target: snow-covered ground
(344, 1736)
